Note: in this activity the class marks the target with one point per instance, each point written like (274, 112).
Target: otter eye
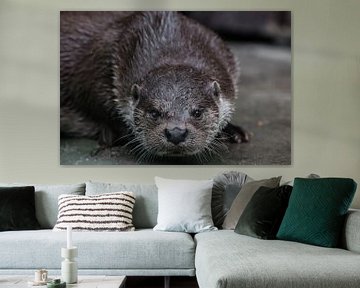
(197, 113)
(154, 114)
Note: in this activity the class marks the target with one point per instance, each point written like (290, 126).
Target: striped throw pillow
(105, 212)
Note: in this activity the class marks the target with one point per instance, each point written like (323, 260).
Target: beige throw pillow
(243, 198)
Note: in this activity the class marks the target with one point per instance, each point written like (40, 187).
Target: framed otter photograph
(175, 88)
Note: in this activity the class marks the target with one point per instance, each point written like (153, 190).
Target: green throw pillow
(316, 211)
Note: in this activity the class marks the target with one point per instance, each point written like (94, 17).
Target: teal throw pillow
(316, 211)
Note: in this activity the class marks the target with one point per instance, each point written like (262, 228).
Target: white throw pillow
(104, 212)
(184, 205)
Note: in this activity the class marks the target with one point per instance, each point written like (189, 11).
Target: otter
(158, 82)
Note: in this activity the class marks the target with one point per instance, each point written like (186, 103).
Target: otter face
(178, 113)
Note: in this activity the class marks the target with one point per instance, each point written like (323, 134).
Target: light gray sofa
(226, 259)
(219, 259)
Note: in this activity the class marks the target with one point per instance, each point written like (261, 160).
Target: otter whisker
(119, 139)
(139, 148)
(131, 142)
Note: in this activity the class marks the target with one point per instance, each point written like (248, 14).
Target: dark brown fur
(157, 81)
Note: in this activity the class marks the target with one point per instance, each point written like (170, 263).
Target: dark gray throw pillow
(243, 198)
(17, 209)
(263, 214)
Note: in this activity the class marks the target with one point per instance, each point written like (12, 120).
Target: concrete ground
(263, 108)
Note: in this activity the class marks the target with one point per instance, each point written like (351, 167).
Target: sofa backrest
(46, 200)
(146, 203)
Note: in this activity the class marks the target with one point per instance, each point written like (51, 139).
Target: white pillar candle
(69, 237)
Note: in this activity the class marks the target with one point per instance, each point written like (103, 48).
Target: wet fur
(103, 54)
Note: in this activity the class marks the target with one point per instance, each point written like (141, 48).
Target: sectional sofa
(218, 258)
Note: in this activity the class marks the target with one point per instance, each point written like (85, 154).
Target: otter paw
(236, 134)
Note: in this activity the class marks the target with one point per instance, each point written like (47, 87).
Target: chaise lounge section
(226, 259)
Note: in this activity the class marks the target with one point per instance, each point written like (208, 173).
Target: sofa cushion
(184, 205)
(317, 209)
(263, 215)
(243, 198)
(146, 205)
(142, 249)
(226, 187)
(225, 259)
(17, 208)
(46, 200)
(105, 212)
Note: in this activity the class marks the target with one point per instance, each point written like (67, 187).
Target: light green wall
(326, 91)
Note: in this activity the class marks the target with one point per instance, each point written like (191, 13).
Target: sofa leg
(167, 282)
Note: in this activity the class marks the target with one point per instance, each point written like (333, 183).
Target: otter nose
(176, 135)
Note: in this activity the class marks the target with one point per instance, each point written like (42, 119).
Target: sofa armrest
(351, 234)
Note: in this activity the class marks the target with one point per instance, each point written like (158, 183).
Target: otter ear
(135, 93)
(216, 88)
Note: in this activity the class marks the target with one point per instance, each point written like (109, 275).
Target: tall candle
(69, 237)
